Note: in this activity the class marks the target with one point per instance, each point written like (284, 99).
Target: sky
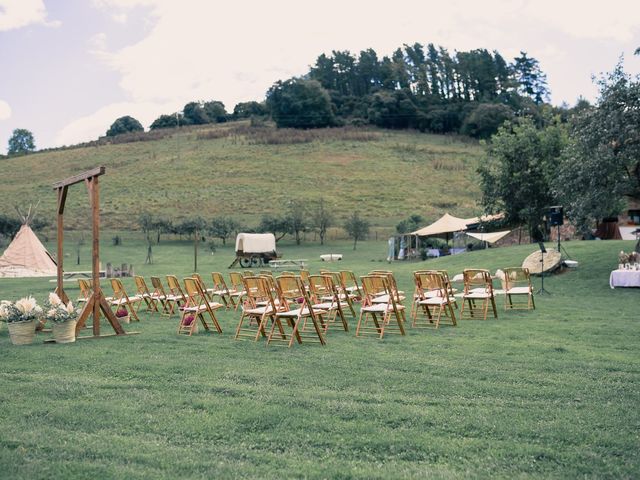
(69, 68)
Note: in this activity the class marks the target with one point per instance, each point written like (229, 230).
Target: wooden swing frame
(97, 301)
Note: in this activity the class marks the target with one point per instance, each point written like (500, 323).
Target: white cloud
(95, 125)
(234, 51)
(5, 111)
(98, 43)
(20, 13)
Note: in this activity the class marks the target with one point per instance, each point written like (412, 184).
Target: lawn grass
(548, 393)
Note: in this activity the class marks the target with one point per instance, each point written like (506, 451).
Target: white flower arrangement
(24, 310)
(57, 311)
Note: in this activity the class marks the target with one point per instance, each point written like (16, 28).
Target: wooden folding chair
(236, 291)
(292, 291)
(433, 300)
(221, 290)
(386, 317)
(339, 287)
(150, 299)
(257, 308)
(288, 290)
(176, 291)
(383, 297)
(324, 296)
(417, 295)
(207, 291)
(197, 305)
(86, 292)
(350, 283)
(120, 298)
(168, 302)
(518, 285)
(399, 294)
(304, 275)
(477, 295)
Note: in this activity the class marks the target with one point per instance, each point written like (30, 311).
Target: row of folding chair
(324, 298)
(120, 298)
(433, 289)
(279, 310)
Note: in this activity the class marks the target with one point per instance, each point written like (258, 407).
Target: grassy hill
(236, 169)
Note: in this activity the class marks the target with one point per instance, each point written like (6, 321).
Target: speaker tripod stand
(561, 249)
(543, 250)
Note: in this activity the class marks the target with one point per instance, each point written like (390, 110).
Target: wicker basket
(64, 332)
(22, 333)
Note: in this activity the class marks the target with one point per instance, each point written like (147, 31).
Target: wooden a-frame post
(97, 301)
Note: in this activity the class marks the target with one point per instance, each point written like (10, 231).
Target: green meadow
(550, 393)
(245, 172)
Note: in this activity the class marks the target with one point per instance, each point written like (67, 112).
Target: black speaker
(556, 216)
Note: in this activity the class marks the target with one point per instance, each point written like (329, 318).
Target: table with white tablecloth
(624, 278)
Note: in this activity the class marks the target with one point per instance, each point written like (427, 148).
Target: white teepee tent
(26, 256)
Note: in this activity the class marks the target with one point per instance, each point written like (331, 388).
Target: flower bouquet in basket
(21, 319)
(123, 314)
(63, 317)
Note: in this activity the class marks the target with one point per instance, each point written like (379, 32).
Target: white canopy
(449, 224)
(255, 242)
(492, 237)
(27, 257)
(445, 224)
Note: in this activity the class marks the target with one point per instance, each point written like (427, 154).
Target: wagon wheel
(245, 262)
(256, 261)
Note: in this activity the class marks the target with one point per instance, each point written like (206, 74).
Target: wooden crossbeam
(97, 303)
(94, 172)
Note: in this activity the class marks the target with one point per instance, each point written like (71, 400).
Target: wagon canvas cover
(255, 243)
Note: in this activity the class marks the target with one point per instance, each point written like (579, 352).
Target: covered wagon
(254, 249)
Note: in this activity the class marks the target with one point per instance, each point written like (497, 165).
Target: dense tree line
(214, 111)
(420, 87)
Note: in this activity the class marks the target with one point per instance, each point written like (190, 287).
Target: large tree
(124, 124)
(532, 81)
(278, 225)
(517, 173)
(485, 119)
(168, 121)
(21, 142)
(223, 228)
(299, 103)
(322, 219)
(195, 114)
(356, 227)
(247, 109)
(215, 111)
(602, 162)
(297, 219)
